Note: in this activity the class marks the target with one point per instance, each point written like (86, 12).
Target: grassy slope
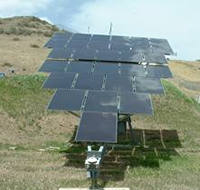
(170, 162)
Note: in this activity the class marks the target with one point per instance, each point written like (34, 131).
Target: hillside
(36, 151)
(26, 26)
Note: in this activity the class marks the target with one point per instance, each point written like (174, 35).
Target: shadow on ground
(152, 146)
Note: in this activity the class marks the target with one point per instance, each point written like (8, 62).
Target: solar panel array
(104, 76)
(108, 48)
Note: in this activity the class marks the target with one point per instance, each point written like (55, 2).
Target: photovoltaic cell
(97, 127)
(102, 101)
(69, 100)
(149, 85)
(133, 103)
(119, 83)
(51, 66)
(106, 68)
(59, 80)
(159, 72)
(80, 67)
(89, 82)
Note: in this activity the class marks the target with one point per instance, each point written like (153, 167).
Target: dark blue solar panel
(132, 103)
(102, 101)
(97, 127)
(85, 54)
(60, 53)
(161, 45)
(130, 56)
(132, 69)
(106, 68)
(51, 66)
(149, 85)
(69, 100)
(80, 67)
(108, 55)
(89, 82)
(155, 57)
(119, 83)
(158, 72)
(59, 80)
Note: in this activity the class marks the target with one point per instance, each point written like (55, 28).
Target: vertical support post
(92, 163)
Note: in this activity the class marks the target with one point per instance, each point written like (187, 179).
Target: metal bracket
(92, 163)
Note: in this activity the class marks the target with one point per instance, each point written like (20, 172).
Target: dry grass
(187, 77)
(21, 55)
(26, 26)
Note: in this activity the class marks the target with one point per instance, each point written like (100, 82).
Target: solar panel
(161, 45)
(85, 54)
(59, 80)
(50, 66)
(77, 44)
(133, 103)
(106, 68)
(130, 56)
(132, 69)
(159, 72)
(97, 127)
(101, 82)
(155, 57)
(60, 53)
(108, 55)
(81, 37)
(99, 45)
(70, 100)
(89, 82)
(120, 39)
(102, 101)
(119, 83)
(121, 46)
(100, 38)
(140, 43)
(149, 85)
(61, 37)
(80, 67)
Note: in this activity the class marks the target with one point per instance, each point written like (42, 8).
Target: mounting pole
(110, 30)
(92, 163)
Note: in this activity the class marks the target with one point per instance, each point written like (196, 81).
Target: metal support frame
(92, 163)
(95, 157)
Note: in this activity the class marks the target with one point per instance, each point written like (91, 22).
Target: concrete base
(93, 189)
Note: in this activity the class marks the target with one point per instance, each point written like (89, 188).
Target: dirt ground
(186, 77)
(24, 54)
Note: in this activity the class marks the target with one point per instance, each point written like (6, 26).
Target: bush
(35, 46)
(16, 39)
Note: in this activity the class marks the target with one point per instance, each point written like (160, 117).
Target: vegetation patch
(23, 98)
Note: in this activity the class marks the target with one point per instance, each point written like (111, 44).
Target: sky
(176, 20)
